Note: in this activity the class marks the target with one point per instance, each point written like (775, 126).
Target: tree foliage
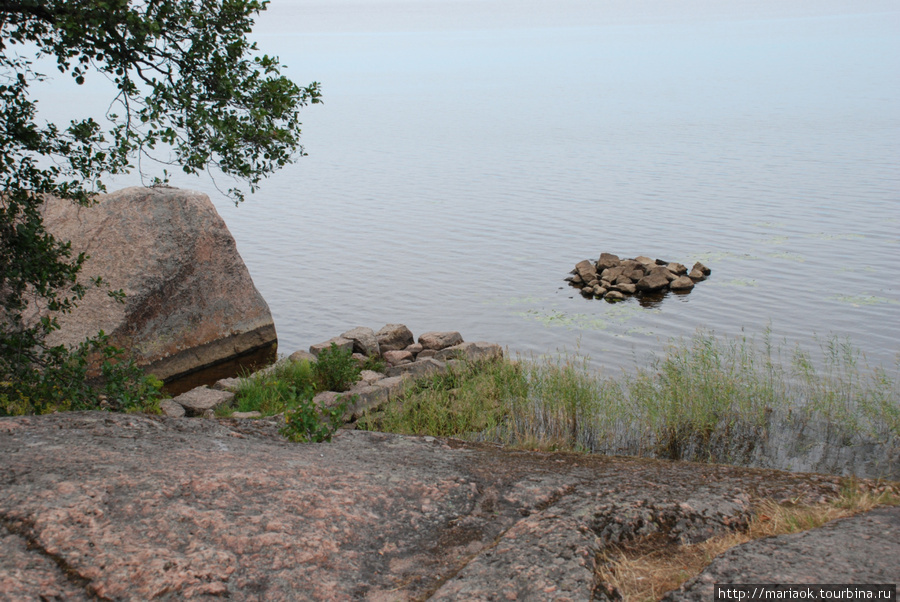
(191, 90)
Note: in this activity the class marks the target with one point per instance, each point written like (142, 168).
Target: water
(468, 154)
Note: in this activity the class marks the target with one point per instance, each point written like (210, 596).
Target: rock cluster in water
(613, 279)
(405, 360)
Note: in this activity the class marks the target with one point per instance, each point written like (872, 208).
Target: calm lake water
(469, 153)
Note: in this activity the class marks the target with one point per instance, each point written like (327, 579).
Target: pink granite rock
(129, 507)
(191, 302)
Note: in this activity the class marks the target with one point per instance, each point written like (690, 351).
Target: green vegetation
(289, 387)
(336, 370)
(191, 90)
(706, 398)
(117, 385)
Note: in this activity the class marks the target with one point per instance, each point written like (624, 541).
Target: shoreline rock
(435, 353)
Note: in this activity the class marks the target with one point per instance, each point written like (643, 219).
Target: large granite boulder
(190, 300)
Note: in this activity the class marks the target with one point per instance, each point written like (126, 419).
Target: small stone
(440, 340)
(246, 415)
(415, 348)
(365, 397)
(171, 409)
(473, 352)
(197, 401)
(369, 376)
(696, 275)
(394, 357)
(599, 291)
(606, 261)
(677, 268)
(654, 281)
(703, 269)
(610, 274)
(586, 270)
(682, 283)
(329, 399)
(419, 368)
(627, 288)
(614, 296)
(342, 344)
(394, 385)
(394, 337)
(228, 384)
(299, 356)
(364, 340)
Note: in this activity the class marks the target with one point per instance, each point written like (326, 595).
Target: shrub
(310, 422)
(62, 381)
(336, 370)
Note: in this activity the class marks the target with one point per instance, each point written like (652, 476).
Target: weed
(375, 363)
(310, 422)
(336, 370)
(276, 390)
(290, 387)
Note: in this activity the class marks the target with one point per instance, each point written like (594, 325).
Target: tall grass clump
(702, 393)
(464, 401)
(842, 389)
(704, 398)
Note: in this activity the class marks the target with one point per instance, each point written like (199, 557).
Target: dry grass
(647, 569)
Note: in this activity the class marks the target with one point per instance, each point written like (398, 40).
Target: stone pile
(405, 360)
(613, 279)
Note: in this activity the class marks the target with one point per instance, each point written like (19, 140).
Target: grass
(288, 384)
(274, 391)
(706, 398)
(644, 570)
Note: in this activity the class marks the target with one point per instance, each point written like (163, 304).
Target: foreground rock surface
(190, 300)
(860, 549)
(129, 507)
